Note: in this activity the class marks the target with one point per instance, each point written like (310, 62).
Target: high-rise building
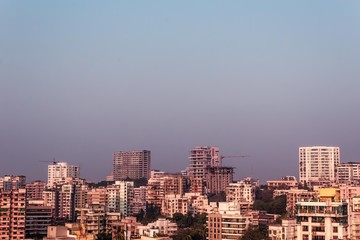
(131, 164)
(35, 190)
(218, 178)
(59, 171)
(12, 214)
(202, 157)
(318, 163)
(120, 197)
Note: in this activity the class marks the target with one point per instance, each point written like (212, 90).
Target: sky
(80, 80)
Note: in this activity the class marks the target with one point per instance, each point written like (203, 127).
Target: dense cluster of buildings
(324, 204)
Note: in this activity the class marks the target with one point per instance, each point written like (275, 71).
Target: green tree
(104, 236)
(253, 233)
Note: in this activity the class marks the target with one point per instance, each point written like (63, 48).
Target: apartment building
(285, 182)
(164, 184)
(241, 191)
(95, 220)
(97, 197)
(348, 172)
(324, 219)
(38, 218)
(131, 165)
(12, 214)
(174, 203)
(202, 157)
(8, 183)
(318, 163)
(295, 195)
(227, 223)
(59, 171)
(354, 218)
(35, 190)
(139, 201)
(218, 178)
(125, 229)
(162, 225)
(284, 231)
(120, 197)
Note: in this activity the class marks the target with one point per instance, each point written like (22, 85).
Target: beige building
(8, 183)
(12, 214)
(325, 219)
(189, 202)
(97, 197)
(174, 204)
(318, 163)
(120, 197)
(126, 228)
(95, 220)
(227, 223)
(59, 232)
(139, 200)
(348, 172)
(202, 157)
(131, 165)
(284, 231)
(293, 196)
(241, 191)
(347, 192)
(35, 190)
(354, 218)
(285, 183)
(164, 184)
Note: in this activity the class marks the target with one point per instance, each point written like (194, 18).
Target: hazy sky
(82, 79)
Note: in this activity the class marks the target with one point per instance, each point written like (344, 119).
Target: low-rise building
(164, 227)
(59, 232)
(241, 191)
(126, 228)
(284, 231)
(284, 183)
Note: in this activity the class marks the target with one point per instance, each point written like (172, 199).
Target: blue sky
(82, 79)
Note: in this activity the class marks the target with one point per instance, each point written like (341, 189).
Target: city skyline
(81, 80)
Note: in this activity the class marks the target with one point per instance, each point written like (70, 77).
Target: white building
(163, 226)
(59, 171)
(119, 197)
(318, 163)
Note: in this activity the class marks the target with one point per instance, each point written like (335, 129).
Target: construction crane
(53, 161)
(239, 156)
